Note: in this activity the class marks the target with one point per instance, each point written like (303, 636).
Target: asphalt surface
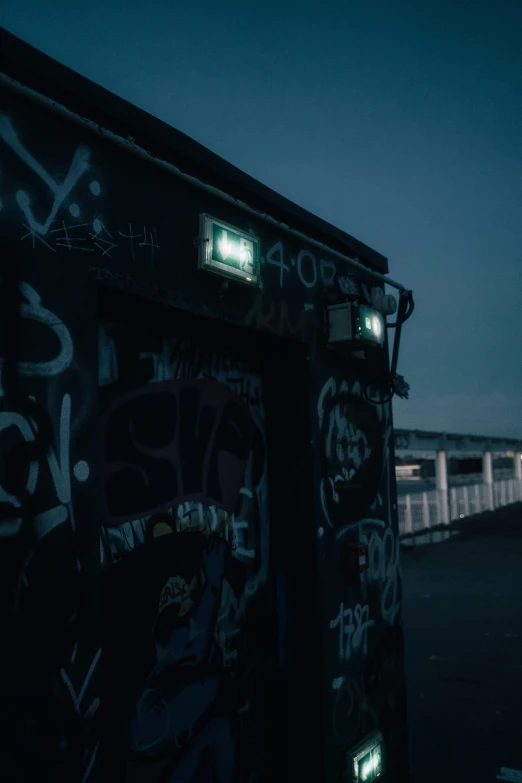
(463, 630)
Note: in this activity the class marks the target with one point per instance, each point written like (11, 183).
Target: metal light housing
(355, 325)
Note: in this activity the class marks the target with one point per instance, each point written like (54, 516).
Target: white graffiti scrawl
(34, 311)
(353, 441)
(57, 460)
(353, 627)
(60, 190)
(384, 566)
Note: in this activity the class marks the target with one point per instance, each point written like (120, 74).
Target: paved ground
(463, 626)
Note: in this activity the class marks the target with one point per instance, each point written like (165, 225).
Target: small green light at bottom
(370, 766)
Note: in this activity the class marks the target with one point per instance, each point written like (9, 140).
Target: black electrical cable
(411, 306)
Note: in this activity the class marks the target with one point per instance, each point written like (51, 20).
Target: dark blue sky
(401, 123)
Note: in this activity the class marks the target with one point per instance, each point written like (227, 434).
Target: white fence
(426, 510)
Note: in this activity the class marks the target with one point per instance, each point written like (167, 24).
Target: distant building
(408, 471)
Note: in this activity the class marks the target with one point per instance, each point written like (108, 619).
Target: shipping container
(200, 559)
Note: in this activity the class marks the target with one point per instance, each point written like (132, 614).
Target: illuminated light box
(366, 759)
(228, 251)
(369, 325)
(354, 324)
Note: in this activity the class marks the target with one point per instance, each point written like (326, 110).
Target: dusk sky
(400, 123)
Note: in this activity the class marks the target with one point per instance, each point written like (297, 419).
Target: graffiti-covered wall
(358, 544)
(169, 492)
(71, 196)
(51, 646)
(185, 548)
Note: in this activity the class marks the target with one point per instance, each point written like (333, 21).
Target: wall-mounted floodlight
(351, 289)
(348, 287)
(228, 251)
(366, 760)
(356, 325)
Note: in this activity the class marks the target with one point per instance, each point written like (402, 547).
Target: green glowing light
(229, 251)
(371, 766)
(232, 249)
(371, 325)
(376, 326)
(225, 248)
(367, 759)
